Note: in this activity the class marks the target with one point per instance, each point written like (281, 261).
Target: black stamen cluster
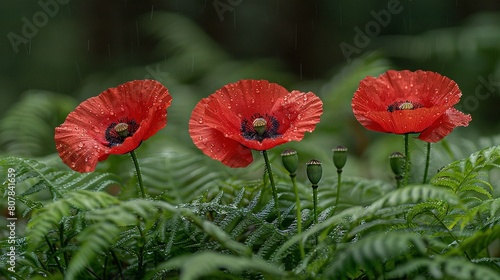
(249, 133)
(112, 136)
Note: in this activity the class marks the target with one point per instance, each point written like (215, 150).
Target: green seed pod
(314, 172)
(339, 157)
(290, 161)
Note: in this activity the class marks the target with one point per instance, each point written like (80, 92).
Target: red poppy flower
(251, 114)
(114, 122)
(404, 102)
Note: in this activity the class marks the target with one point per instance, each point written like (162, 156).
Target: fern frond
(373, 251)
(413, 194)
(45, 219)
(35, 176)
(207, 263)
(437, 207)
(441, 267)
(468, 175)
(477, 243)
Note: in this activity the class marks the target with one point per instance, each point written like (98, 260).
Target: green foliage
(27, 129)
(34, 177)
(217, 265)
(202, 221)
(231, 231)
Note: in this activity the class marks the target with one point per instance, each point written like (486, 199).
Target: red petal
(297, 112)
(215, 125)
(433, 91)
(145, 102)
(213, 142)
(78, 149)
(445, 125)
(401, 121)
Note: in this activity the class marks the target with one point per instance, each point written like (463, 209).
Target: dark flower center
(117, 132)
(260, 127)
(403, 105)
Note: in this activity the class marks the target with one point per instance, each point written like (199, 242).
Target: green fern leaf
(413, 194)
(478, 242)
(443, 268)
(372, 251)
(437, 207)
(36, 176)
(207, 263)
(468, 175)
(48, 217)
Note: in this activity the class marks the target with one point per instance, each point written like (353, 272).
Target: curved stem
(427, 160)
(299, 215)
(407, 160)
(273, 186)
(138, 172)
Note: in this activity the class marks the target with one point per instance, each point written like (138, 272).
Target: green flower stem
(315, 206)
(299, 215)
(398, 182)
(407, 160)
(138, 172)
(339, 183)
(273, 186)
(140, 253)
(427, 160)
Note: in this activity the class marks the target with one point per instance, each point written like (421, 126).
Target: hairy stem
(398, 181)
(273, 186)
(339, 183)
(138, 172)
(407, 160)
(427, 160)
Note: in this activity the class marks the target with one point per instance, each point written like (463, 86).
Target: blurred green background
(56, 54)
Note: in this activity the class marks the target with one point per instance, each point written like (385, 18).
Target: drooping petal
(445, 125)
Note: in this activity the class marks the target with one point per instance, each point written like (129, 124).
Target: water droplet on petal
(200, 120)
